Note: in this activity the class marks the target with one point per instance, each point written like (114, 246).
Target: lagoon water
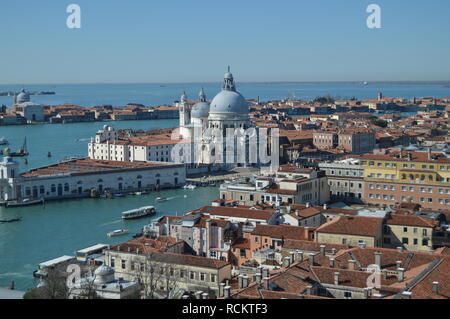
(158, 94)
(60, 228)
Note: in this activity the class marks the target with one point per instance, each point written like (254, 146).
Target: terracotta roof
(281, 231)
(353, 225)
(411, 220)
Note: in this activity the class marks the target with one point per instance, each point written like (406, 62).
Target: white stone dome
(23, 97)
(200, 110)
(229, 102)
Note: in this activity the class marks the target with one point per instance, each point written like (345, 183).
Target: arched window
(42, 189)
(100, 181)
(66, 187)
(53, 188)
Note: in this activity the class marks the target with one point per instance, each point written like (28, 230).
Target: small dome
(103, 271)
(200, 110)
(23, 97)
(229, 102)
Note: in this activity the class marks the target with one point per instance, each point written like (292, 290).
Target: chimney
(406, 295)
(299, 255)
(308, 205)
(198, 294)
(205, 295)
(137, 251)
(336, 278)
(306, 233)
(311, 258)
(400, 249)
(240, 281)
(378, 258)
(309, 290)
(325, 206)
(221, 290)
(322, 250)
(352, 264)
(333, 251)
(429, 153)
(399, 264)
(436, 287)
(401, 274)
(362, 245)
(258, 278)
(244, 281)
(332, 262)
(297, 213)
(265, 272)
(292, 255)
(286, 262)
(266, 283)
(366, 293)
(168, 225)
(227, 291)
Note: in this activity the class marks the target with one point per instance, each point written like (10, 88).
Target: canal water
(61, 228)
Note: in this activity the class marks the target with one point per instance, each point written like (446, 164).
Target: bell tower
(185, 116)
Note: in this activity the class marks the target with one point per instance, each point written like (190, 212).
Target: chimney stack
(306, 233)
(258, 278)
(292, 255)
(378, 259)
(240, 281)
(227, 290)
(244, 281)
(399, 264)
(406, 295)
(325, 206)
(336, 278)
(308, 204)
(333, 251)
(221, 290)
(311, 258)
(352, 264)
(265, 272)
(286, 262)
(436, 287)
(198, 294)
(265, 281)
(400, 249)
(332, 262)
(309, 290)
(299, 255)
(322, 250)
(401, 274)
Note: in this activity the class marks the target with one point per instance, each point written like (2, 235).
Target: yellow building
(409, 232)
(414, 177)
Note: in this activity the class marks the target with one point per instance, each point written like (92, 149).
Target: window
(348, 295)
(242, 253)
(213, 278)
(202, 276)
(124, 264)
(405, 229)
(405, 241)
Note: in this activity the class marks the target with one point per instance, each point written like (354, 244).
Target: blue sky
(194, 41)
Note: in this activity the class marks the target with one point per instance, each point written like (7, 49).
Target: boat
(139, 212)
(190, 186)
(49, 154)
(3, 141)
(161, 199)
(25, 202)
(118, 195)
(118, 232)
(12, 220)
(22, 152)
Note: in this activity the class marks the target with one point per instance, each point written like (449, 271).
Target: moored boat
(161, 199)
(118, 232)
(25, 202)
(3, 141)
(139, 212)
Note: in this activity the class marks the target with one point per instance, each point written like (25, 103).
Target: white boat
(25, 202)
(190, 186)
(161, 199)
(118, 232)
(3, 141)
(139, 212)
